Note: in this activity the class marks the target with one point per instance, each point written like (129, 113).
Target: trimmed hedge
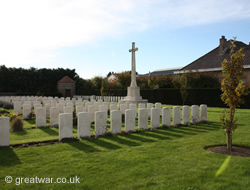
(211, 97)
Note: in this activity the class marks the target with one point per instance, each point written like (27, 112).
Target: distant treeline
(32, 81)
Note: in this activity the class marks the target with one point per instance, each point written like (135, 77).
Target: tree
(123, 79)
(31, 81)
(110, 73)
(197, 80)
(183, 88)
(97, 82)
(233, 89)
(83, 85)
(104, 86)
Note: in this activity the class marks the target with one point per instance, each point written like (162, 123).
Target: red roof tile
(66, 79)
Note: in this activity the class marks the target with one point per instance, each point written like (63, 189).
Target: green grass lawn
(171, 158)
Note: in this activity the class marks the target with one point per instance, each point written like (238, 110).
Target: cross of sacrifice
(133, 73)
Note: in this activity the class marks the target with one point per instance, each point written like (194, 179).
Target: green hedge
(211, 97)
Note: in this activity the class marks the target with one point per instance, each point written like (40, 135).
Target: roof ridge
(200, 57)
(213, 58)
(66, 79)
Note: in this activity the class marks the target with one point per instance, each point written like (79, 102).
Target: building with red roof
(66, 86)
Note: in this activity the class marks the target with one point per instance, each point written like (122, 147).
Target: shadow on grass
(188, 130)
(152, 134)
(138, 137)
(20, 133)
(194, 129)
(102, 143)
(167, 132)
(123, 141)
(31, 121)
(8, 157)
(82, 146)
(49, 131)
(182, 130)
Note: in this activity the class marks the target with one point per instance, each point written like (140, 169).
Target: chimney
(223, 41)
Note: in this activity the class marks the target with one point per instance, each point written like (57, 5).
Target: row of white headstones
(65, 119)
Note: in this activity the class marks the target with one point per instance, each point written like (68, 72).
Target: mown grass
(169, 158)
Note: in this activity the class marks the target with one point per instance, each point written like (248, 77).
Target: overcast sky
(94, 36)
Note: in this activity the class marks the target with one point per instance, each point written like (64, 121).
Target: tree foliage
(32, 81)
(123, 79)
(233, 90)
(184, 86)
(97, 82)
(83, 85)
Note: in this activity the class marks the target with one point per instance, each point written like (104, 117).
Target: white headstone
(65, 125)
(40, 117)
(83, 124)
(186, 115)
(70, 105)
(26, 110)
(80, 109)
(203, 113)
(67, 109)
(149, 107)
(47, 107)
(130, 120)
(113, 107)
(54, 116)
(166, 116)
(97, 105)
(60, 107)
(4, 131)
(132, 106)
(87, 104)
(113, 103)
(79, 104)
(143, 118)
(74, 101)
(116, 122)
(93, 101)
(127, 105)
(17, 107)
(176, 115)
(141, 105)
(37, 106)
(53, 103)
(103, 108)
(158, 106)
(91, 110)
(155, 118)
(28, 102)
(123, 107)
(62, 102)
(195, 114)
(100, 123)
(36, 103)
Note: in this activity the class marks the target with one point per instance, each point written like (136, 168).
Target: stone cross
(133, 73)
